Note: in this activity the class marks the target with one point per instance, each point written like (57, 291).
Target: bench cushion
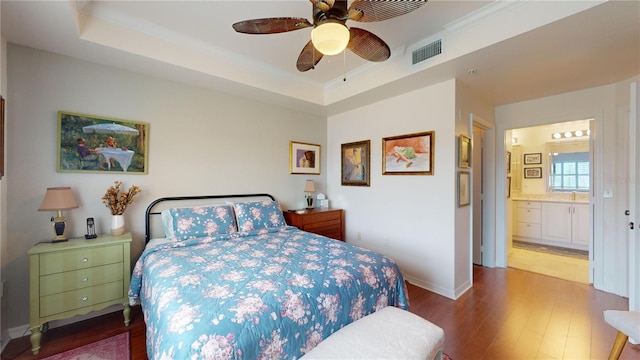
(389, 333)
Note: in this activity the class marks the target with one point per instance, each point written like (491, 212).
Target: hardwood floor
(508, 314)
(562, 267)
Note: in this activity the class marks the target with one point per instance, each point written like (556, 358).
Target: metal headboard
(154, 208)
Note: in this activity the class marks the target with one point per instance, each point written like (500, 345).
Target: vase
(117, 224)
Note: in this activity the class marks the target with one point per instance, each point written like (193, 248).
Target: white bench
(389, 333)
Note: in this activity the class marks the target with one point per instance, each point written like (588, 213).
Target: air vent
(427, 52)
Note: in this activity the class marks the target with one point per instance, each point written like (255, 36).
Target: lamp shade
(309, 186)
(330, 38)
(58, 198)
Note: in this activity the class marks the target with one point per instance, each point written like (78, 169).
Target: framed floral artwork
(356, 163)
(533, 173)
(304, 158)
(530, 159)
(410, 154)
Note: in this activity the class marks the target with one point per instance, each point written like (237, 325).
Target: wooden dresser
(76, 277)
(327, 222)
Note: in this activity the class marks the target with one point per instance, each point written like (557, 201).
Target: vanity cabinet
(528, 219)
(553, 223)
(567, 223)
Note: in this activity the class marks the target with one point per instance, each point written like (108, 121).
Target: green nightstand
(76, 277)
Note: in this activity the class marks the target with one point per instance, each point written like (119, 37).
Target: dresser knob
(85, 259)
(84, 279)
(85, 298)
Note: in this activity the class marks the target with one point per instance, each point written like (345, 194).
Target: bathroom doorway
(549, 176)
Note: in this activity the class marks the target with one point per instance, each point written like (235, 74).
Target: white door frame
(489, 196)
(634, 199)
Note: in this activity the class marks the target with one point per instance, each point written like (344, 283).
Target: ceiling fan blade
(373, 10)
(323, 5)
(368, 46)
(271, 25)
(308, 58)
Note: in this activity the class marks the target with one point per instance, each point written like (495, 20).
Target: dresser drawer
(529, 230)
(72, 300)
(57, 262)
(529, 204)
(529, 215)
(79, 279)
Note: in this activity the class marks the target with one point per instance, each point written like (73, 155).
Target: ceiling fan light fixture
(330, 38)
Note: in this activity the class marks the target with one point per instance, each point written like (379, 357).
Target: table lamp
(309, 187)
(58, 199)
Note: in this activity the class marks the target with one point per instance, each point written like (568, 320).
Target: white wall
(409, 218)
(200, 142)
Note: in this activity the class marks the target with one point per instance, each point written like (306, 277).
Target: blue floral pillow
(258, 215)
(198, 221)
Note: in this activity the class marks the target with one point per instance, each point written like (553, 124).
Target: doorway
(548, 179)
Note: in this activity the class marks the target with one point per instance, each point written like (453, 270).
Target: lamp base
(58, 226)
(309, 202)
(58, 241)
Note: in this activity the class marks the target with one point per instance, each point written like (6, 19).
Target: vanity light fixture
(570, 134)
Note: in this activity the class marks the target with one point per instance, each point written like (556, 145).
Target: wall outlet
(387, 242)
(359, 236)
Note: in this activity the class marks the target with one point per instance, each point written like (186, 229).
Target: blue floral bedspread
(269, 295)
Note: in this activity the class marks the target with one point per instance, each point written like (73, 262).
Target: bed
(226, 278)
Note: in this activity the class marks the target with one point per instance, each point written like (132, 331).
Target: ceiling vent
(427, 52)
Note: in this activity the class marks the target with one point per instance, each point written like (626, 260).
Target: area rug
(555, 250)
(113, 348)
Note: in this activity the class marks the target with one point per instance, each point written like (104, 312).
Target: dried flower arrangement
(117, 200)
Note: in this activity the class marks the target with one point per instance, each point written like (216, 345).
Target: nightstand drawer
(57, 262)
(321, 217)
(323, 227)
(79, 279)
(77, 299)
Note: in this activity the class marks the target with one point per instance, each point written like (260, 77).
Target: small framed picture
(304, 158)
(508, 184)
(464, 153)
(533, 173)
(464, 188)
(508, 162)
(356, 163)
(1, 137)
(410, 154)
(531, 159)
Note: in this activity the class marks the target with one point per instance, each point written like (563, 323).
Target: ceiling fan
(330, 34)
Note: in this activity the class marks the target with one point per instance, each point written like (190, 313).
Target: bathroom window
(569, 171)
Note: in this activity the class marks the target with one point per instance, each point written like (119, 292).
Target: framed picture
(533, 173)
(508, 162)
(96, 144)
(508, 183)
(530, 159)
(464, 152)
(410, 154)
(464, 188)
(304, 158)
(356, 163)
(1, 137)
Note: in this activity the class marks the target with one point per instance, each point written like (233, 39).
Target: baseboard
(431, 287)
(23, 330)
